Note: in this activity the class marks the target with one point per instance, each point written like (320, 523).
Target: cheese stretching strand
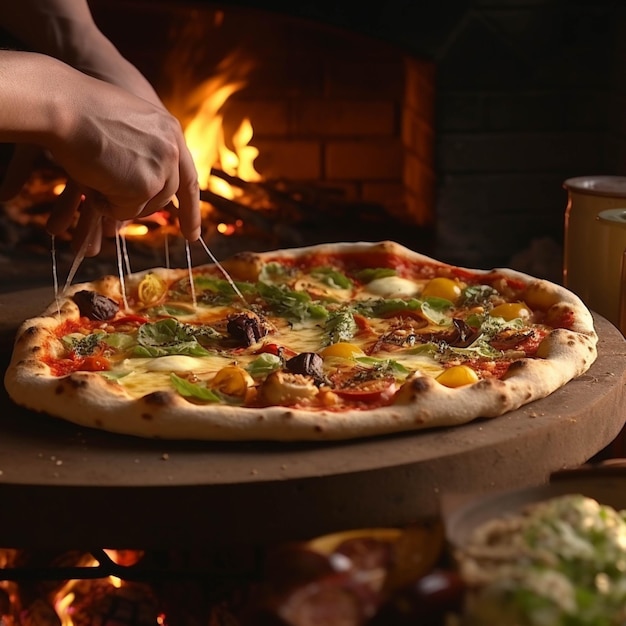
(227, 276)
(55, 273)
(120, 269)
(96, 218)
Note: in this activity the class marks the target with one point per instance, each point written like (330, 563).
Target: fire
(74, 592)
(58, 189)
(134, 230)
(202, 116)
(214, 142)
(200, 110)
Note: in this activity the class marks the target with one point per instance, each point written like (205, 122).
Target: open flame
(216, 142)
(70, 597)
(101, 598)
(201, 114)
(202, 117)
(208, 145)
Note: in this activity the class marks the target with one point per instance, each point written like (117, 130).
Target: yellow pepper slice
(342, 349)
(457, 376)
(151, 289)
(232, 381)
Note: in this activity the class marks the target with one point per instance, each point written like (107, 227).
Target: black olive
(95, 306)
(246, 328)
(307, 363)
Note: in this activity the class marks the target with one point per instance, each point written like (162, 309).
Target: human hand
(125, 157)
(79, 43)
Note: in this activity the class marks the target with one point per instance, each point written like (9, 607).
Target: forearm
(65, 29)
(31, 102)
(54, 27)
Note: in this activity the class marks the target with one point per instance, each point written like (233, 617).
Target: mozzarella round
(392, 287)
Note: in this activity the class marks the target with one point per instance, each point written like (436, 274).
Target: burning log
(311, 204)
(274, 195)
(256, 218)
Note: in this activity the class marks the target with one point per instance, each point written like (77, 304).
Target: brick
(288, 76)
(376, 160)
(340, 118)
(269, 118)
(389, 195)
(418, 209)
(419, 87)
(419, 182)
(292, 160)
(418, 138)
(364, 79)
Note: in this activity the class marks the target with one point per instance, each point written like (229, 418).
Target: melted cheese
(147, 375)
(141, 382)
(305, 337)
(182, 363)
(414, 362)
(393, 287)
(141, 376)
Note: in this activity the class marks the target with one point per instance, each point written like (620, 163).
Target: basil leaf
(340, 326)
(331, 277)
(387, 364)
(193, 390)
(120, 341)
(480, 347)
(386, 308)
(264, 365)
(83, 345)
(477, 295)
(368, 275)
(436, 309)
(290, 304)
(166, 337)
(218, 290)
(273, 272)
(317, 311)
(490, 326)
(429, 348)
(114, 375)
(166, 310)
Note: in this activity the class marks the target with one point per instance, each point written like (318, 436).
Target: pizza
(324, 342)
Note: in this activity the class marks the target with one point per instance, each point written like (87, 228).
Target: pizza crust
(88, 399)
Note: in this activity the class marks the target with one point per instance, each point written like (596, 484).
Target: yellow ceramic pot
(595, 241)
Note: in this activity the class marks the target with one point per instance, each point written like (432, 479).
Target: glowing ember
(226, 229)
(80, 602)
(58, 189)
(134, 230)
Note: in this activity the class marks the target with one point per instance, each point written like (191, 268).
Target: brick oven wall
(329, 107)
(525, 94)
(528, 95)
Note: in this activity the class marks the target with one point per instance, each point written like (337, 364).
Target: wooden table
(63, 486)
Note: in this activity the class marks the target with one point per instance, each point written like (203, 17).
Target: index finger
(188, 197)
